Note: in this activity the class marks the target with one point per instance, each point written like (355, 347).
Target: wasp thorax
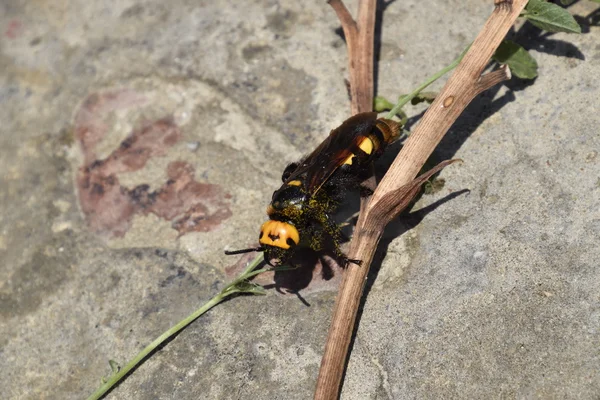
(288, 196)
(279, 234)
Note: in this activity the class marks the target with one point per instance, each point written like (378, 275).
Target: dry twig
(398, 187)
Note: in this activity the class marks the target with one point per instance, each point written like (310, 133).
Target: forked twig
(398, 185)
(360, 37)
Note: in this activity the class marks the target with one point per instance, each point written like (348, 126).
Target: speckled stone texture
(141, 138)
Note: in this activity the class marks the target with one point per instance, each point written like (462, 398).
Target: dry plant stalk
(398, 187)
(360, 38)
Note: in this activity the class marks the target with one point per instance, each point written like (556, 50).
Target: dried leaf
(394, 202)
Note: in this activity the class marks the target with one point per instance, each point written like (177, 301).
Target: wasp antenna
(233, 252)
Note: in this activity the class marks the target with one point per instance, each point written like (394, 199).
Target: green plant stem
(231, 288)
(403, 100)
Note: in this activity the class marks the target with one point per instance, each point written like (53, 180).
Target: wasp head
(278, 239)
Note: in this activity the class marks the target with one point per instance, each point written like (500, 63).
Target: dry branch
(360, 40)
(460, 90)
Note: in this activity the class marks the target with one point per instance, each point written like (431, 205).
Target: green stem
(230, 289)
(405, 99)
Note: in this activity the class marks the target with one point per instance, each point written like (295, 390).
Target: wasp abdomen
(365, 145)
(374, 143)
(389, 129)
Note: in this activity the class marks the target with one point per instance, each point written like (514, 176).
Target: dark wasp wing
(342, 143)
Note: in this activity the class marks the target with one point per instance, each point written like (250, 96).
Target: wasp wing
(342, 142)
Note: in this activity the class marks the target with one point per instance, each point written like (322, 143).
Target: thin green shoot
(404, 99)
(239, 285)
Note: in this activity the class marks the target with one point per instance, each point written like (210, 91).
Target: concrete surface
(140, 139)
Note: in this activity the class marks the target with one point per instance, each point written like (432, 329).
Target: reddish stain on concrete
(92, 119)
(108, 206)
(149, 141)
(13, 29)
(203, 206)
(192, 206)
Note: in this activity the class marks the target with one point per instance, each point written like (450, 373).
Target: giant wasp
(300, 212)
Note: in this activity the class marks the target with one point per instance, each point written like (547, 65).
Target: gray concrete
(494, 294)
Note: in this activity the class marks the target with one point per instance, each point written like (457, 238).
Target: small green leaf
(521, 63)
(381, 104)
(428, 97)
(550, 17)
(403, 117)
(114, 366)
(249, 287)
(434, 185)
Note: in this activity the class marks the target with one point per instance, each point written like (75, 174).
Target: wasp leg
(353, 261)
(348, 222)
(316, 239)
(326, 270)
(365, 191)
(335, 233)
(347, 261)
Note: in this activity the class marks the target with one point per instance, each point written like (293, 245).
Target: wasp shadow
(406, 222)
(307, 266)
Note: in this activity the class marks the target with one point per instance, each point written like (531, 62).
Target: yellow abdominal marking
(365, 145)
(277, 233)
(295, 183)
